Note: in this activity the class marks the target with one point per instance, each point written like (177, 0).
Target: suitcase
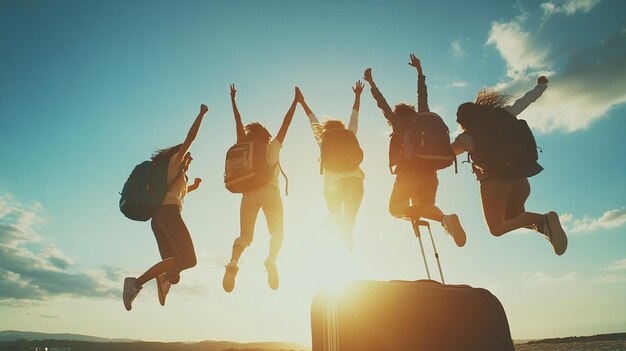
(409, 315)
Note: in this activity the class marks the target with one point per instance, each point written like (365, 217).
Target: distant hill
(79, 342)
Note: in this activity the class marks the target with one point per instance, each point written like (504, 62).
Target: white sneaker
(228, 283)
(272, 273)
(452, 225)
(163, 287)
(130, 292)
(551, 228)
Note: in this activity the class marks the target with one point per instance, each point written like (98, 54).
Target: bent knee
(242, 241)
(397, 211)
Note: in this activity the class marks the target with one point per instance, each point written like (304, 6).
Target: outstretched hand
(542, 80)
(367, 75)
(298, 97)
(415, 62)
(358, 87)
(203, 109)
(233, 91)
(197, 181)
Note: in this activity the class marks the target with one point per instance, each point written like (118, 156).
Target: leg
(165, 247)
(248, 212)
(426, 194)
(170, 222)
(332, 195)
(352, 197)
(400, 198)
(273, 209)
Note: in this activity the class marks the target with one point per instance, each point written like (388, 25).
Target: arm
(241, 134)
(353, 125)
(194, 186)
(522, 103)
(288, 117)
(193, 132)
(312, 118)
(380, 99)
(422, 93)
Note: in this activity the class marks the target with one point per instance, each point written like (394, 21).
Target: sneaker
(551, 228)
(163, 287)
(272, 273)
(452, 225)
(229, 277)
(130, 292)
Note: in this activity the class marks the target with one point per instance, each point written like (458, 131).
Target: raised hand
(197, 182)
(358, 87)
(415, 62)
(367, 75)
(298, 97)
(542, 80)
(203, 109)
(233, 91)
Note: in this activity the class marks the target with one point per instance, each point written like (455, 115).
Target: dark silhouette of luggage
(409, 315)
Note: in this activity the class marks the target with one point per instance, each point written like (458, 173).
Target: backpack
(247, 167)
(504, 146)
(340, 151)
(144, 190)
(426, 142)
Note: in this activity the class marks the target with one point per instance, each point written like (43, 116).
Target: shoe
(551, 228)
(229, 277)
(452, 225)
(130, 292)
(272, 273)
(163, 287)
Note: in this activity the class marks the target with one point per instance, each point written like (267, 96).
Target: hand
(367, 75)
(197, 181)
(415, 62)
(358, 88)
(233, 92)
(542, 80)
(298, 97)
(203, 109)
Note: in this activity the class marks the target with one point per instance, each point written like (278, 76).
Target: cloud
(457, 50)
(617, 266)
(611, 279)
(609, 220)
(457, 84)
(587, 80)
(32, 270)
(540, 278)
(568, 7)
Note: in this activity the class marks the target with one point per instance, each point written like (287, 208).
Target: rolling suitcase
(409, 315)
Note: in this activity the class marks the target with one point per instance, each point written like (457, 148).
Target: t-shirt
(178, 189)
(273, 157)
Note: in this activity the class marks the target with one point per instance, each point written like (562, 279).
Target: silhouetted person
(340, 159)
(171, 233)
(267, 197)
(415, 188)
(503, 198)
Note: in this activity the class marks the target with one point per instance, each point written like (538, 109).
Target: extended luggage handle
(416, 224)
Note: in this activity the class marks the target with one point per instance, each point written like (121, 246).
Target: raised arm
(378, 96)
(288, 117)
(193, 132)
(422, 93)
(241, 134)
(522, 103)
(194, 186)
(353, 125)
(312, 118)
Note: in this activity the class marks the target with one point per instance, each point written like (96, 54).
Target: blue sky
(88, 89)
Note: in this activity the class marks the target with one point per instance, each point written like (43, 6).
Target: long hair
(321, 129)
(486, 100)
(256, 131)
(165, 154)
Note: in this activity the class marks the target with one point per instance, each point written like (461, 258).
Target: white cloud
(457, 50)
(609, 220)
(617, 265)
(540, 278)
(611, 279)
(30, 272)
(457, 84)
(568, 7)
(587, 80)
